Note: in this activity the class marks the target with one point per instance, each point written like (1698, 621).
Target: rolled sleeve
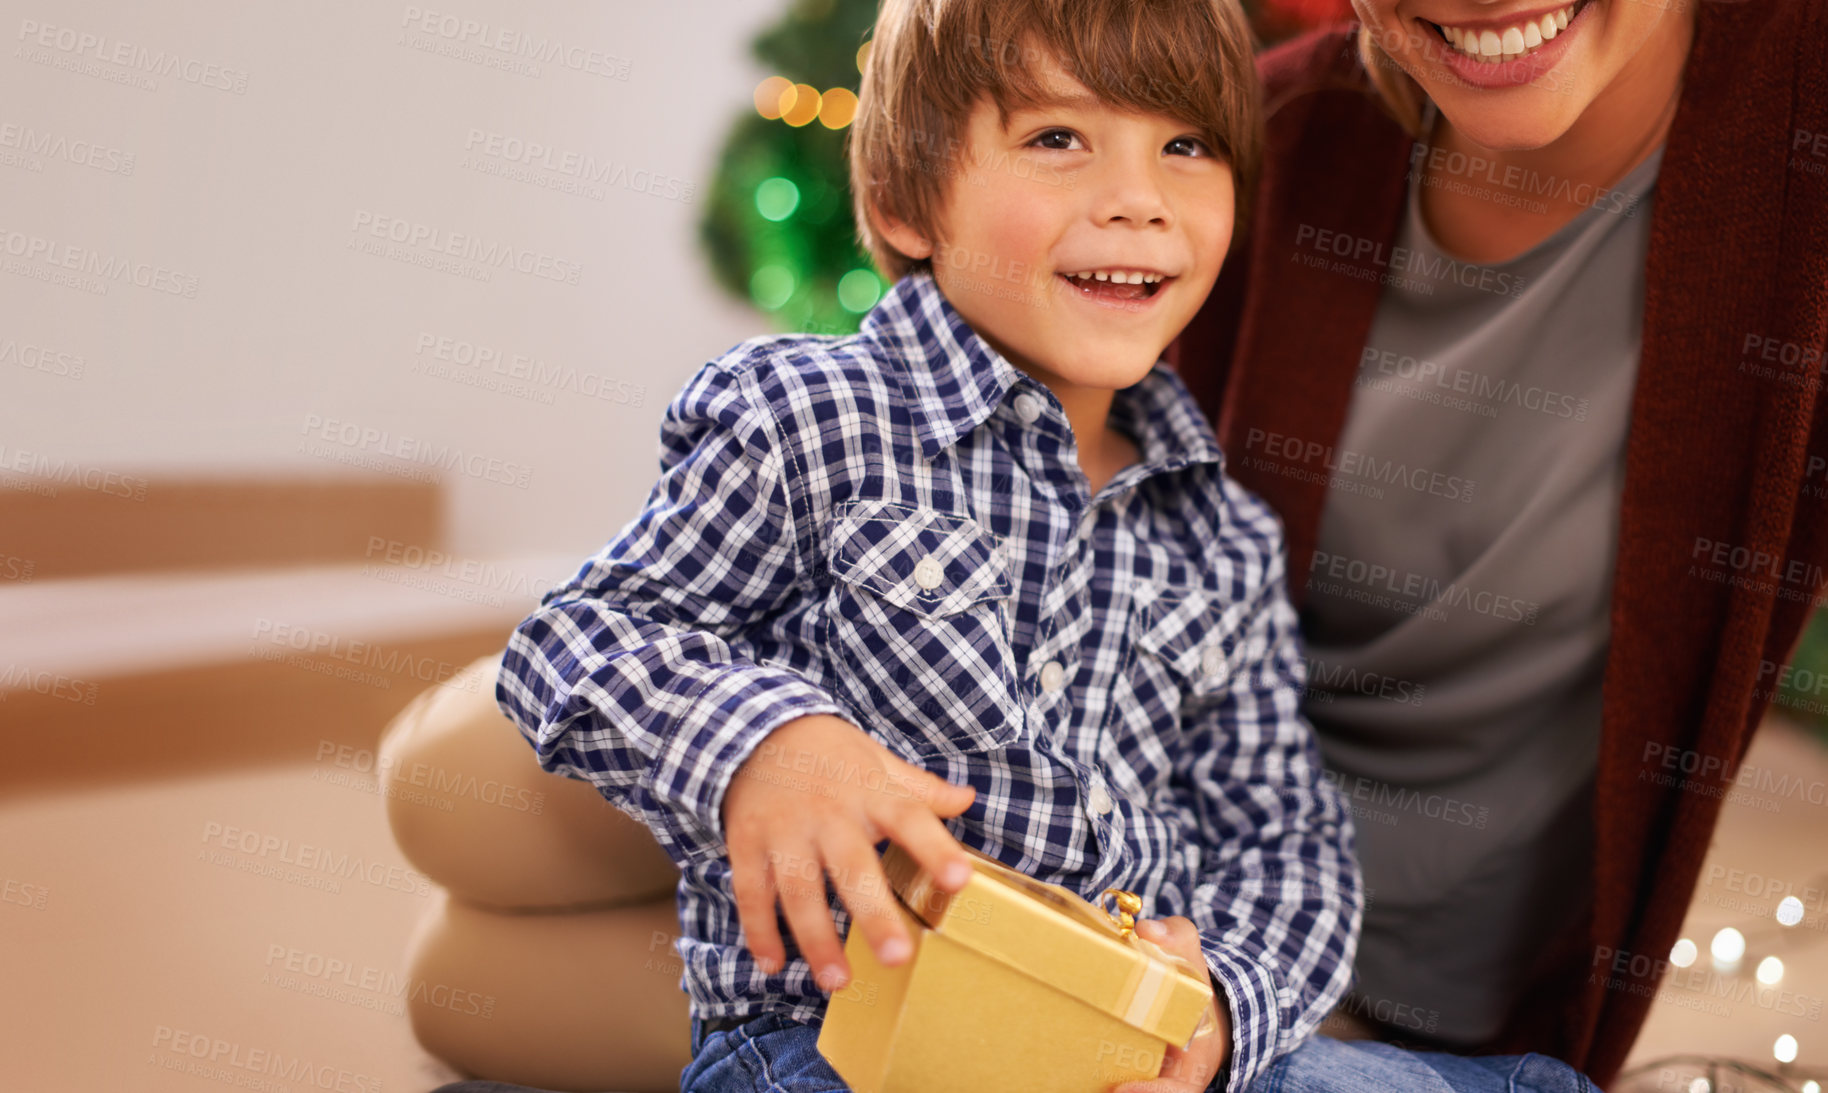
(648, 674)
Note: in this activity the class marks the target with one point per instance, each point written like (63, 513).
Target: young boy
(974, 575)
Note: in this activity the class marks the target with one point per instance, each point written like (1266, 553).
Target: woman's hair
(1402, 96)
(931, 61)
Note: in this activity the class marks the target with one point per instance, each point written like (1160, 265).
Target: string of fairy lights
(778, 198)
(1734, 958)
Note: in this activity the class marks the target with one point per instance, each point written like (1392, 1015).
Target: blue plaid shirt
(892, 527)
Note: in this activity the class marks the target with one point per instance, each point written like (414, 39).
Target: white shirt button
(1212, 661)
(1100, 801)
(928, 573)
(1028, 408)
(1052, 676)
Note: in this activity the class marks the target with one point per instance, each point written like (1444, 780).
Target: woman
(1495, 353)
(1496, 349)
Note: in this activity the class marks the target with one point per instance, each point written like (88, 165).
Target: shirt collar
(954, 381)
(1166, 421)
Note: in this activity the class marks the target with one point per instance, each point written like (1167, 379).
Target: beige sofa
(555, 905)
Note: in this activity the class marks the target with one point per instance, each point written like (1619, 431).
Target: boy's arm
(643, 674)
(1278, 904)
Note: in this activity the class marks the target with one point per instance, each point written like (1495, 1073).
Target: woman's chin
(1502, 127)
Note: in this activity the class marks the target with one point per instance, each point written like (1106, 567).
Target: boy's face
(1078, 187)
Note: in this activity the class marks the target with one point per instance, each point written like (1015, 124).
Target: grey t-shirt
(1457, 615)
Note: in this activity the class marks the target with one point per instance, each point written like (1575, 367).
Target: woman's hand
(814, 799)
(1192, 1069)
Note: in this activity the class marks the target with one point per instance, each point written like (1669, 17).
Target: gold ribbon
(1129, 905)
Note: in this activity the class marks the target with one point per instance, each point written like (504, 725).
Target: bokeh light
(1728, 946)
(1770, 971)
(771, 287)
(859, 290)
(1789, 911)
(837, 107)
(863, 54)
(1683, 953)
(803, 108)
(772, 97)
(1784, 1050)
(776, 198)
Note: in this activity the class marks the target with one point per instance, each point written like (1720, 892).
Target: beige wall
(218, 167)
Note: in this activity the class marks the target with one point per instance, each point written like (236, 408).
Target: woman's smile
(1506, 50)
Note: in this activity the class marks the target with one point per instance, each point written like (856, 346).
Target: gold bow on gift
(1129, 905)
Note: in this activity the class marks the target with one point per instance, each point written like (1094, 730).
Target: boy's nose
(1129, 193)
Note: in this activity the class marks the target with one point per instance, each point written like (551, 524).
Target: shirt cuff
(739, 707)
(1250, 994)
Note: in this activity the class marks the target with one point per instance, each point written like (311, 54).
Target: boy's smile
(1079, 238)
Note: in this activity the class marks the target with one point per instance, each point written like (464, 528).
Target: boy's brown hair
(931, 61)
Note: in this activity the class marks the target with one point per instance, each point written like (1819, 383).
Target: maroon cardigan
(1716, 453)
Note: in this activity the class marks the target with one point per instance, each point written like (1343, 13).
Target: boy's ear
(898, 234)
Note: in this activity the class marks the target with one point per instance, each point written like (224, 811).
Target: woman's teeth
(1495, 46)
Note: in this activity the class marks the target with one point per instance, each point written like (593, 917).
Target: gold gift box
(1014, 985)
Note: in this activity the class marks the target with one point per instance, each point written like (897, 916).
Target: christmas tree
(777, 225)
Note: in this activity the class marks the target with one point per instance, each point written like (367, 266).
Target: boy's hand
(815, 798)
(1190, 1070)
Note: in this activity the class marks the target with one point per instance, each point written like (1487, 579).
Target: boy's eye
(1057, 139)
(1190, 146)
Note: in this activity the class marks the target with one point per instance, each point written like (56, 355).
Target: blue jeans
(778, 1055)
